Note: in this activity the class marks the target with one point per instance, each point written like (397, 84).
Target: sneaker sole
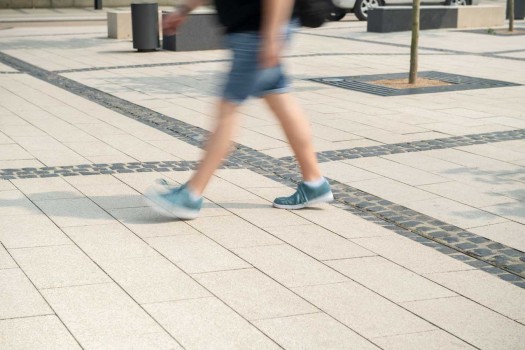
(327, 198)
(156, 201)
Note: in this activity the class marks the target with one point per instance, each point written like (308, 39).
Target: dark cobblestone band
(95, 169)
(418, 146)
(495, 258)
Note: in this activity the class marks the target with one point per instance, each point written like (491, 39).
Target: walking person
(256, 33)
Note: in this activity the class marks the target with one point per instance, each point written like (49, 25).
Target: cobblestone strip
(419, 146)
(490, 256)
(498, 259)
(103, 169)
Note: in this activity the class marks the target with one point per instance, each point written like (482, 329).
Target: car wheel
(336, 14)
(457, 2)
(362, 6)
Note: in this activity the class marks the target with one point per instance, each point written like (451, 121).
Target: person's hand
(270, 53)
(171, 22)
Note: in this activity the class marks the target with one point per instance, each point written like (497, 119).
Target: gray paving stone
(289, 266)
(18, 297)
(196, 253)
(470, 321)
(253, 294)
(398, 284)
(207, 323)
(36, 332)
(102, 315)
(362, 310)
(312, 331)
(58, 266)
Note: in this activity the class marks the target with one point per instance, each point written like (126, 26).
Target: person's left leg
(185, 202)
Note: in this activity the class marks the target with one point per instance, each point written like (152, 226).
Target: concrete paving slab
(233, 232)
(253, 294)
(455, 213)
(362, 310)
(484, 289)
(207, 322)
(15, 202)
(74, 212)
(104, 315)
(196, 253)
(313, 331)
(58, 266)
(437, 339)
(30, 332)
(398, 284)
(152, 279)
(6, 262)
(289, 266)
(411, 255)
(30, 231)
(470, 321)
(108, 242)
(19, 298)
(318, 242)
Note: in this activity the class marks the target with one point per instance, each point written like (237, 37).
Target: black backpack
(313, 13)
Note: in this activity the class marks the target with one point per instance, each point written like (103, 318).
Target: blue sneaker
(176, 200)
(305, 196)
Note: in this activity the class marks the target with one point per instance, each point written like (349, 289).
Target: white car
(360, 7)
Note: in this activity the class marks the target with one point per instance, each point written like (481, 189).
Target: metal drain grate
(459, 83)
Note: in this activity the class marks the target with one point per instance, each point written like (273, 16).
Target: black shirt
(239, 15)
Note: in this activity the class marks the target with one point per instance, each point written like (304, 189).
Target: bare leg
(298, 132)
(217, 148)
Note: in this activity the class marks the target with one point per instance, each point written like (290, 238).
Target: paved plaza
(424, 247)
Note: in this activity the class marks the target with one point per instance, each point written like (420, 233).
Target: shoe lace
(164, 183)
(302, 194)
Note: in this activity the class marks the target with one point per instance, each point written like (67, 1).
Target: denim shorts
(246, 78)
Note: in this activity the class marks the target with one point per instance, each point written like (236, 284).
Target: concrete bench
(199, 32)
(388, 19)
(119, 24)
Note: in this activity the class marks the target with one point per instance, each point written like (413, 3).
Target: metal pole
(98, 4)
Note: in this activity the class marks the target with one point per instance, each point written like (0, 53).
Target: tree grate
(458, 82)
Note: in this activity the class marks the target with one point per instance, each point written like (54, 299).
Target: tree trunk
(511, 15)
(412, 77)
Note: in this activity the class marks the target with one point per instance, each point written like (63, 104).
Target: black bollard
(145, 26)
(98, 4)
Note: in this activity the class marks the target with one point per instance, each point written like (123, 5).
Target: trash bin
(168, 41)
(519, 9)
(145, 26)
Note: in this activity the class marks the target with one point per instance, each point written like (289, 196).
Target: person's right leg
(314, 188)
(217, 147)
(297, 131)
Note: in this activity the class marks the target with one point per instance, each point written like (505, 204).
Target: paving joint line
(495, 258)
(42, 295)
(184, 63)
(456, 52)
(418, 146)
